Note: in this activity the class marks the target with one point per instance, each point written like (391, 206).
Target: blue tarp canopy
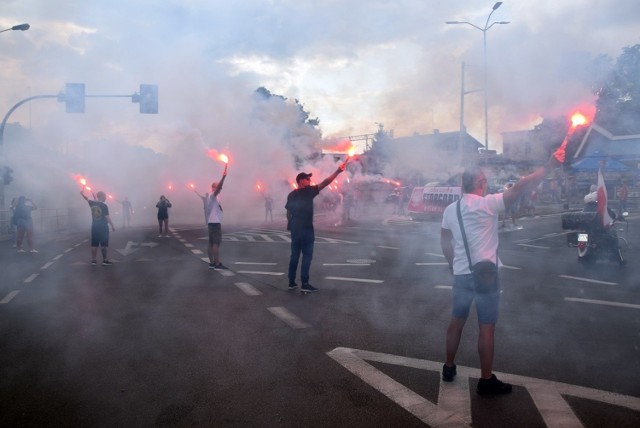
(592, 163)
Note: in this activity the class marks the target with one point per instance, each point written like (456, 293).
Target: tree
(376, 157)
(618, 103)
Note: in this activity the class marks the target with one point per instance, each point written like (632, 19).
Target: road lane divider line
(432, 264)
(288, 317)
(443, 287)
(346, 264)
(188, 245)
(595, 281)
(341, 278)
(510, 267)
(534, 246)
(196, 251)
(9, 297)
(248, 289)
(67, 250)
(602, 302)
(225, 272)
(31, 278)
(255, 263)
(58, 257)
(259, 272)
(435, 255)
(388, 248)
(46, 265)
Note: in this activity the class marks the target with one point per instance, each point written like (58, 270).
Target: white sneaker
(33, 250)
(159, 236)
(21, 250)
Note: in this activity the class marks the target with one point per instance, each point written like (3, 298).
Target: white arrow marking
(128, 249)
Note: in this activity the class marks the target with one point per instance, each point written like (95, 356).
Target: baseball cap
(302, 176)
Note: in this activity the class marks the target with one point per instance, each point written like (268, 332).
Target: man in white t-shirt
(480, 216)
(214, 220)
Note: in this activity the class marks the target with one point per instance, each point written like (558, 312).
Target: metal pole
(461, 135)
(486, 102)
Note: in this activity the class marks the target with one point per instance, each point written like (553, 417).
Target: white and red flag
(603, 213)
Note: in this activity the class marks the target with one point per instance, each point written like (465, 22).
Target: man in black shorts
(99, 227)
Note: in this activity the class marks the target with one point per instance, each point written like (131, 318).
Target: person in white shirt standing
(214, 220)
(480, 217)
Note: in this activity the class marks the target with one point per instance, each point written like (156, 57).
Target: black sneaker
(106, 263)
(448, 373)
(94, 263)
(220, 266)
(212, 266)
(492, 386)
(292, 286)
(308, 288)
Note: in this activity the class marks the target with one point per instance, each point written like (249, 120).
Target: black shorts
(215, 233)
(99, 236)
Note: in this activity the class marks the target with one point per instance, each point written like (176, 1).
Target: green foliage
(618, 104)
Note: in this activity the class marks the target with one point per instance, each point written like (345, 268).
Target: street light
(484, 35)
(21, 27)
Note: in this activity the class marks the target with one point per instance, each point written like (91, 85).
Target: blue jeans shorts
(463, 296)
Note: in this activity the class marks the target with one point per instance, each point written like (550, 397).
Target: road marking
(67, 250)
(57, 257)
(31, 278)
(196, 251)
(225, 272)
(289, 318)
(432, 264)
(444, 287)
(258, 272)
(340, 278)
(9, 297)
(46, 265)
(434, 254)
(595, 281)
(453, 408)
(388, 248)
(248, 289)
(255, 263)
(534, 246)
(346, 264)
(144, 259)
(510, 267)
(77, 245)
(189, 245)
(602, 302)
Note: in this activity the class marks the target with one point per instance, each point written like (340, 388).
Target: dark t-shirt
(300, 205)
(99, 211)
(163, 209)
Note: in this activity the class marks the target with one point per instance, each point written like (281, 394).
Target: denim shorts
(463, 296)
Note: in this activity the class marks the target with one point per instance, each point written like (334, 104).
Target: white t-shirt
(480, 217)
(214, 209)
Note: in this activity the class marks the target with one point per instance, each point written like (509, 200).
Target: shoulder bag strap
(464, 235)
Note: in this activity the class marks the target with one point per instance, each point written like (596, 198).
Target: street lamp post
(484, 35)
(21, 27)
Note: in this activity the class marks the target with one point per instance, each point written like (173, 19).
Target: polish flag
(602, 201)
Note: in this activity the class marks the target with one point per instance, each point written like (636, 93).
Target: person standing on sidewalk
(300, 223)
(100, 222)
(214, 220)
(480, 216)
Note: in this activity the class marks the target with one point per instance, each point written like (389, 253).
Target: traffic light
(7, 178)
(148, 99)
(74, 97)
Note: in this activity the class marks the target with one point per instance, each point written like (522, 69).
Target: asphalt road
(159, 340)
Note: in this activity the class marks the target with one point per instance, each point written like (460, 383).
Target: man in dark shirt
(99, 227)
(300, 222)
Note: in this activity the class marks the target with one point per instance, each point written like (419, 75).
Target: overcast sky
(351, 63)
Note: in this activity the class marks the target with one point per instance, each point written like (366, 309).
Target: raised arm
(332, 177)
(527, 183)
(224, 175)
